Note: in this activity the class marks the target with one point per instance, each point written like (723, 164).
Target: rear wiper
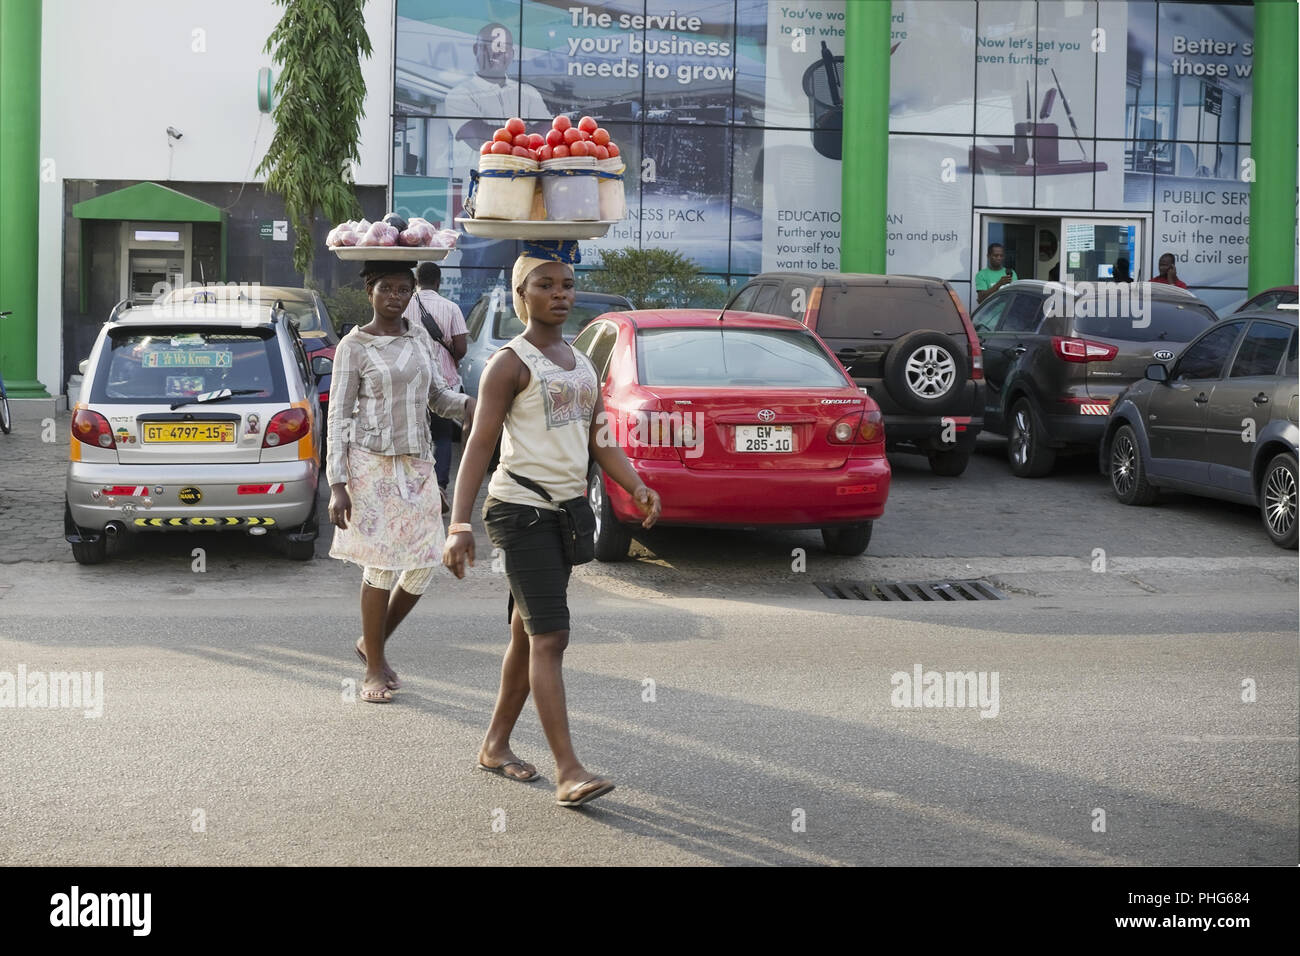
(219, 395)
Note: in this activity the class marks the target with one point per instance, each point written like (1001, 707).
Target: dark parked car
(1056, 358)
(492, 323)
(1220, 422)
(1270, 300)
(905, 340)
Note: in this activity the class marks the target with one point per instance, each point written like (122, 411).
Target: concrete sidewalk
(33, 466)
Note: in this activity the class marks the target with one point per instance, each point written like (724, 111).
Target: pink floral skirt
(396, 520)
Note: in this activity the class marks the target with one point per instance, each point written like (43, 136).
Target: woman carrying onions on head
(546, 397)
(384, 496)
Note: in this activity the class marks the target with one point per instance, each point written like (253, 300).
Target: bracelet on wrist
(460, 527)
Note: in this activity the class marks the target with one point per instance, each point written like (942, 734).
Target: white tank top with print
(547, 430)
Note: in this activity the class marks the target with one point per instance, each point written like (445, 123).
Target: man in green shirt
(988, 281)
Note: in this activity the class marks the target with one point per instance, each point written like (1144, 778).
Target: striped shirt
(450, 320)
(380, 389)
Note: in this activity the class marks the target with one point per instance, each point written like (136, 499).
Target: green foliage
(320, 97)
(655, 279)
(345, 304)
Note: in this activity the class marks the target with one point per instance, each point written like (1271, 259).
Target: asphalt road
(772, 732)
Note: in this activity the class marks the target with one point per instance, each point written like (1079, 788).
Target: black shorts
(529, 539)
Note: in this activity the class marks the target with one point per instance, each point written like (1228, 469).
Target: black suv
(905, 340)
(1056, 358)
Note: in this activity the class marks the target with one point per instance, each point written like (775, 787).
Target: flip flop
(586, 797)
(393, 684)
(500, 771)
(384, 696)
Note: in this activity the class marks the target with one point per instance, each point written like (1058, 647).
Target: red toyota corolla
(742, 420)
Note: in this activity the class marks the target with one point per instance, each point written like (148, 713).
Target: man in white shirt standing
(443, 320)
(476, 108)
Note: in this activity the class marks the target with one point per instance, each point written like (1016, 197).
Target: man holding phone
(1168, 267)
(988, 281)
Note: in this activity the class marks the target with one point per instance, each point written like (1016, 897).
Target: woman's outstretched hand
(459, 549)
(647, 499)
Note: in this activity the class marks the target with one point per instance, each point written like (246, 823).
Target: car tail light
(845, 430)
(286, 427)
(92, 428)
(643, 434)
(872, 428)
(1082, 350)
(972, 340)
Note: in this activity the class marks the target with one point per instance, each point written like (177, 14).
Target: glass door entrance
(1103, 250)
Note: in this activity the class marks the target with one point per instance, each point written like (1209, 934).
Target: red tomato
(588, 124)
(503, 136)
(487, 147)
(572, 135)
(514, 126)
(601, 152)
(544, 153)
(501, 149)
(601, 136)
(613, 150)
(521, 140)
(578, 149)
(536, 140)
(521, 151)
(561, 123)
(559, 152)
(554, 137)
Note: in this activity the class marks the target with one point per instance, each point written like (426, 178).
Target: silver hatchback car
(195, 416)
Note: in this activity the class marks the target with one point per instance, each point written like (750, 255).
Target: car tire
(1027, 450)
(924, 372)
(849, 540)
(1128, 473)
(6, 423)
(1277, 500)
(305, 550)
(951, 463)
(84, 552)
(612, 539)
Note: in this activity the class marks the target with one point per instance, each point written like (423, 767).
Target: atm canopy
(147, 202)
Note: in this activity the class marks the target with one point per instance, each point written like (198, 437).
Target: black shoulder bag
(431, 324)
(577, 522)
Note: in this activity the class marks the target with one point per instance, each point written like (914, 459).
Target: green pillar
(20, 183)
(864, 169)
(1273, 147)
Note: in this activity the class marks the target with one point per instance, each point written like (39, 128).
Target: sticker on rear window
(202, 358)
(184, 385)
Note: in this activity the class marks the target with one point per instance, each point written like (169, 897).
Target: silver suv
(195, 416)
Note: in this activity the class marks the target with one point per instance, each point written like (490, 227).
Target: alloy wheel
(1020, 437)
(930, 371)
(1123, 465)
(594, 493)
(1280, 501)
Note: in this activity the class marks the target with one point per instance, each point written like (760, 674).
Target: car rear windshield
(785, 358)
(507, 324)
(166, 365)
(1168, 321)
(862, 311)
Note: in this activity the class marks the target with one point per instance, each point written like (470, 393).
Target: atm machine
(155, 257)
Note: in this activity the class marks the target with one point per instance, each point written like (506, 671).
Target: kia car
(195, 415)
(1056, 357)
(1220, 421)
(748, 421)
(906, 340)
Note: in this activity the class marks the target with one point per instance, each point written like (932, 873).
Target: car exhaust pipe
(113, 527)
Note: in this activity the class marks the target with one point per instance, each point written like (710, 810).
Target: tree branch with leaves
(654, 279)
(320, 102)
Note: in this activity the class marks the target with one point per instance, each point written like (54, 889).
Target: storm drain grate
(975, 590)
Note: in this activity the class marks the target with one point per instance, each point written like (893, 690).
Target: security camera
(174, 133)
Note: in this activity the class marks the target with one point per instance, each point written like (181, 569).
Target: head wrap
(376, 269)
(538, 254)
